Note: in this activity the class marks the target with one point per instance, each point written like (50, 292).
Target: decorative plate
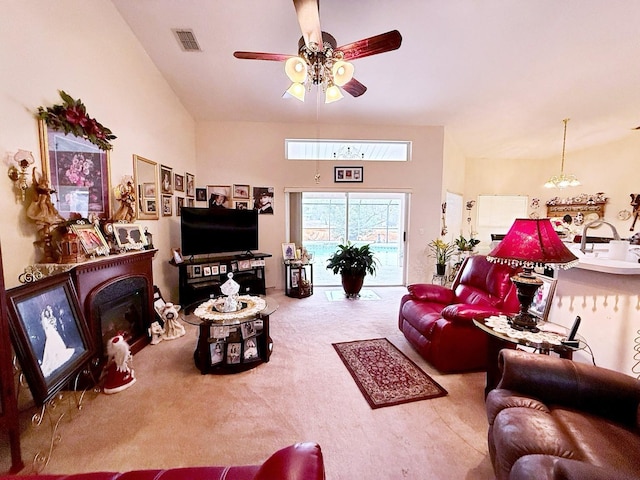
(624, 215)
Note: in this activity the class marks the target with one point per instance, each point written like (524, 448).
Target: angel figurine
(172, 326)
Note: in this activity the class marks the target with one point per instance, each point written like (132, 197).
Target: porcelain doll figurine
(172, 326)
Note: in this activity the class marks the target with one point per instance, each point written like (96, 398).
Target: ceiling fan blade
(354, 88)
(384, 42)
(276, 57)
(308, 13)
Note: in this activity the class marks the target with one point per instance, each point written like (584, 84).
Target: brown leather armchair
(438, 321)
(551, 418)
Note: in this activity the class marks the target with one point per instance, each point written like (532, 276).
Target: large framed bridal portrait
(49, 334)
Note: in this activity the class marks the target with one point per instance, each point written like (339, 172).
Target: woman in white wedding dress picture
(56, 353)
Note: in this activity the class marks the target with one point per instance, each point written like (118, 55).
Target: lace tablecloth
(250, 306)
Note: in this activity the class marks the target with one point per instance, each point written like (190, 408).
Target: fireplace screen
(120, 310)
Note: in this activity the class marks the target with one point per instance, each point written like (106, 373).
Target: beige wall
(609, 168)
(86, 49)
(253, 153)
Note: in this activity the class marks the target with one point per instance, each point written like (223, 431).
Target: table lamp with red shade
(530, 243)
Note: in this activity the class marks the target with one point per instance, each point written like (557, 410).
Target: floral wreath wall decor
(72, 117)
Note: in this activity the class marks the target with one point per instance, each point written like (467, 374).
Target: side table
(298, 279)
(546, 341)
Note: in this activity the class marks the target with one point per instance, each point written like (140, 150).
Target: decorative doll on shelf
(125, 193)
(172, 327)
(45, 215)
(118, 372)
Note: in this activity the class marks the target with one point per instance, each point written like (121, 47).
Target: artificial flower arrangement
(441, 251)
(72, 117)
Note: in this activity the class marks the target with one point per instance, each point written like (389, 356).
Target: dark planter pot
(441, 269)
(352, 284)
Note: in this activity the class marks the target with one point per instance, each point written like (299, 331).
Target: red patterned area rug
(384, 374)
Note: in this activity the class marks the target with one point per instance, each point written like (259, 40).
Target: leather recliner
(438, 321)
(302, 461)
(553, 418)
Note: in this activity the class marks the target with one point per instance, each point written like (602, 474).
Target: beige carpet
(174, 416)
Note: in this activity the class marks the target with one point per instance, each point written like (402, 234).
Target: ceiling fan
(320, 61)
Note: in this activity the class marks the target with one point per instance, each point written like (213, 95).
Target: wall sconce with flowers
(18, 173)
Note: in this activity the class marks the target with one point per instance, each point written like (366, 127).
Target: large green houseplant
(352, 263)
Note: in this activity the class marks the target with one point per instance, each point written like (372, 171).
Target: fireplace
(116, 294)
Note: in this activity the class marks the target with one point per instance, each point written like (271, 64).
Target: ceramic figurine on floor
(172, 326)
(119, 374)
(156, 332)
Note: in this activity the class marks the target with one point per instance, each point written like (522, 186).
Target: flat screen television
(218, 230)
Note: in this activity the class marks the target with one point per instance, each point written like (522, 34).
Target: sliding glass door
(332, 218)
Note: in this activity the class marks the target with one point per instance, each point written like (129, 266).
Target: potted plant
(352, 263)
(465, 245)
(442, 252)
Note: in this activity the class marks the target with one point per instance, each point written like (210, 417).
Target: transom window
(367, 150)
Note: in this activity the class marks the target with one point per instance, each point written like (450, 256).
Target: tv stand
(201, 276)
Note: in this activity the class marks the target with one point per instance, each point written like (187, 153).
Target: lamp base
(526, 285)
(526, 323)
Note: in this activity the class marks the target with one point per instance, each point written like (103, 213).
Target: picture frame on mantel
(50, 334)
(78, 171)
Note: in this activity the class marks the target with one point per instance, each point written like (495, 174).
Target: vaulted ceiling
(499, 75)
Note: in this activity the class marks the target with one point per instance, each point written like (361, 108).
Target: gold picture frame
(91, 239)
(78, 171)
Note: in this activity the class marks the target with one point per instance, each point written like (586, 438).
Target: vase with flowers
(442, 252)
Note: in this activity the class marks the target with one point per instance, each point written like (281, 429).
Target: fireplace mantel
(93, 276)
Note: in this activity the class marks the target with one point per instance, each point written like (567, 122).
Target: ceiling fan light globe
(333, 94)
(296, 69)
(297, 90)
(342, 72)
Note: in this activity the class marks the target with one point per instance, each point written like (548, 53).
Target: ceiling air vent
(187, 39)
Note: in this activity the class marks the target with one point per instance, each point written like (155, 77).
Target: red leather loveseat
(302, 461)
(438, 321)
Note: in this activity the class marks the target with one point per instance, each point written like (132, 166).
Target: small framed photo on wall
(166, 180)
(348, 174)
(179, 205)
(178, 182)
(190, 185)
(241, 191)
(167, 208)
(201, 194)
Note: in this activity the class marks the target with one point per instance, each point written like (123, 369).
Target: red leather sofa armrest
(431, 293)
(466, 312)
(302, 461)
(582, 386)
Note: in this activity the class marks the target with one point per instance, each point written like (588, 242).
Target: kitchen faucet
(595, 223)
